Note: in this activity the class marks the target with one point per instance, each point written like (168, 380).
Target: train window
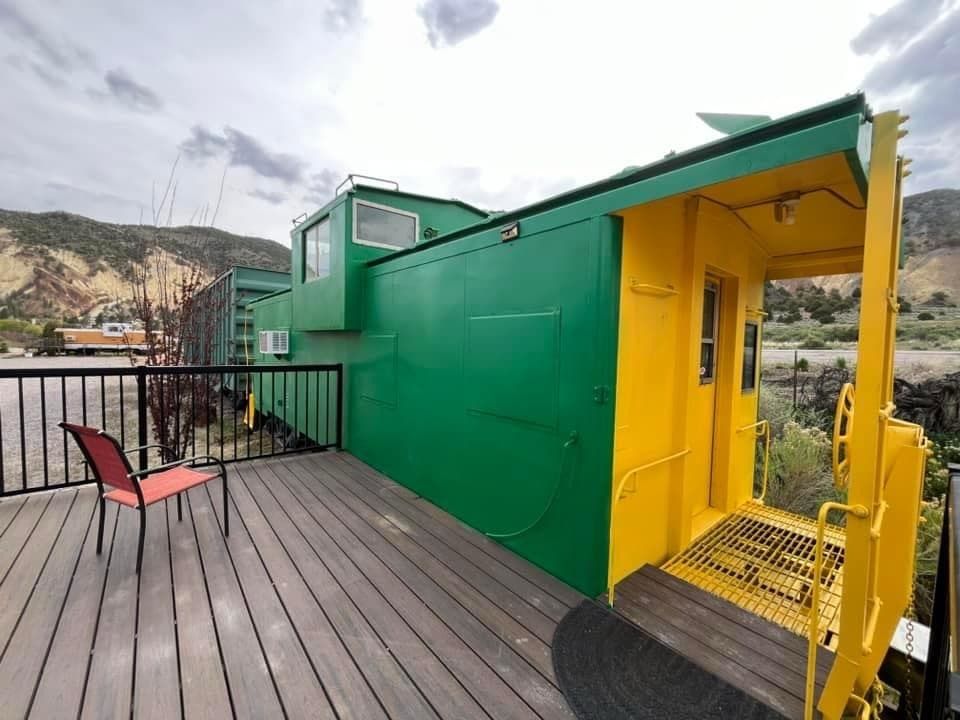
(708, 334)
(751, 336)
(384, 227)
(316, 251)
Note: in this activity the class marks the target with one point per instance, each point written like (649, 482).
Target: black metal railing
(941, 677)
(232, 412)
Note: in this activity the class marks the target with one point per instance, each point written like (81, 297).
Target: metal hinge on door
(601, 393)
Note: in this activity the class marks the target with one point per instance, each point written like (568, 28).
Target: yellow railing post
(621, 486)
(762, 429)
(813, 640)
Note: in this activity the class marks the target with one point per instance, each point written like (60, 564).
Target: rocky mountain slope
(56, 264)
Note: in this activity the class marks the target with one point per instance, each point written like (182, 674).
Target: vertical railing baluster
(221, 415)
(175, 445)
(339, 406)
(193, 414)
(296, 405)
(43, 429)
(103, 402)
(123, 424)
(83, 405)
(162, 434)
(326, 407)
(142, 404)
(233, 403)
(3, 483)
(63, 415)
(285, 401)
(260, 418)
(23, 438)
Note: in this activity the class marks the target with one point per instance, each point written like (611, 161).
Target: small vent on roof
(274, 342)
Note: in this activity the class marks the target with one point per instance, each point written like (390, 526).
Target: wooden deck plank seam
(386, 599)
(213, 615)
(26, 603)
(794, 644)
(479, 541)
(319, 604)
(173, 603)
(20, 507)
(488, 579)
(63, 605)
(505, 645)
(56, 628)
(26, 540)
(788, 679)
(283, 604)
(96, 624)
(434, 543)
(337, 489)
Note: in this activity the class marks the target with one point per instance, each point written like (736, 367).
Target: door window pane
(708, 332)
(751, 335)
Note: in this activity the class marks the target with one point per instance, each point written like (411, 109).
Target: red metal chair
(138, 489)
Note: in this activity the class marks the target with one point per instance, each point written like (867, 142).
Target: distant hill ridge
(58, 264)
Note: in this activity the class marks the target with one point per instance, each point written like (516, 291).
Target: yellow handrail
(814, 628)
(762, 429)
(617, 496)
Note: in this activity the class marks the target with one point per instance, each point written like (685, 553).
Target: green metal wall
(482, 380)
(334, 302)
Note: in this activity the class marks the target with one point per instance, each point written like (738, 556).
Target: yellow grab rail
(761, 428)
(814, 628)
(619, 495)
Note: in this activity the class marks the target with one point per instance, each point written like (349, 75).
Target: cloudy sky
(496, 102)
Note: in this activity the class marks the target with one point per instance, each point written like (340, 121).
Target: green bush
(3, 346)
(803, 365)
(840, 363)
(814, 340)
(928, 550)
(800, 478)
(925, 316)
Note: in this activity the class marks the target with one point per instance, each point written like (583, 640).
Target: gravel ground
(88, 401)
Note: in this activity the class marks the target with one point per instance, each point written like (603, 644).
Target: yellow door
(701, 460)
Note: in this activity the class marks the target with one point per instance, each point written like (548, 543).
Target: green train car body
(481, 364)
(221, 324)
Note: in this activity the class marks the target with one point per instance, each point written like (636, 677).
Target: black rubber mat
(609, 669)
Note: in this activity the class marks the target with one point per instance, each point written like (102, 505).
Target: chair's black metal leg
(179, 509)
(143, 532)
(226, 509)
(103, 511)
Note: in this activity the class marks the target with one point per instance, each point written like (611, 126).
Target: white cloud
(297, 95)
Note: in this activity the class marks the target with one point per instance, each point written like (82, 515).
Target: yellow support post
(874, 384)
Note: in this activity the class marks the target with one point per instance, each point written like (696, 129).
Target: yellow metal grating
(761, 559)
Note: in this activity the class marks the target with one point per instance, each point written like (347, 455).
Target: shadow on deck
(338, 595)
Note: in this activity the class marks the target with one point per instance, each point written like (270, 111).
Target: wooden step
(753, 654)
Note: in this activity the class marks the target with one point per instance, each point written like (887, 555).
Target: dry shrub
(800, 476)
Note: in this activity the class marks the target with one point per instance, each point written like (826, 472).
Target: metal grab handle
(613, 512)
(762, 429)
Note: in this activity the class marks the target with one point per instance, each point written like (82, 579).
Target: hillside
(931, 246)
(56, 264)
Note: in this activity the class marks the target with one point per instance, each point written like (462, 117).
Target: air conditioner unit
(274, 342)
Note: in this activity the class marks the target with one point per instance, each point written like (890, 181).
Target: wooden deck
(760, 658)
(339, 594)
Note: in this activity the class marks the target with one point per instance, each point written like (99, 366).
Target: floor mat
(609, 669)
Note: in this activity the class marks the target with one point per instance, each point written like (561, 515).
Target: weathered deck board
(750, 653)
(24, 653)
(64, 672)
(339, 594)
